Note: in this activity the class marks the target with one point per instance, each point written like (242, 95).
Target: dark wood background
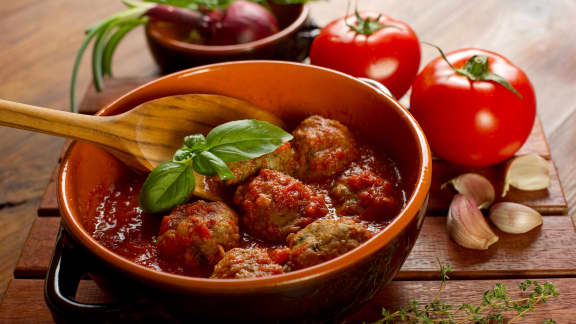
(39, 40)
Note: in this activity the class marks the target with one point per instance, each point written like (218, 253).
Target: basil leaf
(203, 166)
(168, 185)
(183, 154)
(208, 161)
(195, 142)
(242, 140)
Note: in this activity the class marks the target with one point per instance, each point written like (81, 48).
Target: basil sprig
(172, 182)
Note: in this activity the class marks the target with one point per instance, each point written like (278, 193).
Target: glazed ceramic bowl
(291, 91)
(172, 53)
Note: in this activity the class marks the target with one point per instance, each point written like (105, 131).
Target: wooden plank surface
(547, 251)
(563, 142)
(397, 294)
(550, 201)
(400, 293)
(37, 250)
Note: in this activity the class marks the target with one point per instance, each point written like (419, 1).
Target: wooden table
(39, 41)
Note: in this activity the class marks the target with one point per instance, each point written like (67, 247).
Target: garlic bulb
(527, 172)
(467, 226)
(514, 218)
(476, 187)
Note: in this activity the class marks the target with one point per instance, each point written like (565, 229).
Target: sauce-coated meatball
(247, 263)
(198, 233)
(283, 160)
(323, 240)
(363, 193)
(324, 147)
(275, 205)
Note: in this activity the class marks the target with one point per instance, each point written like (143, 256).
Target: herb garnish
(494, 304)
(172, 182)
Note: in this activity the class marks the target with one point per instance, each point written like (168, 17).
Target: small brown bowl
(172, 53)
(329, 290)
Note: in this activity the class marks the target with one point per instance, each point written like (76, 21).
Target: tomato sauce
(120, 225)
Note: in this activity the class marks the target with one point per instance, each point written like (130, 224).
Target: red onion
(241, 22)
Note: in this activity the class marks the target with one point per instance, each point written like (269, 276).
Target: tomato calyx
(477, 68)
(367, 26)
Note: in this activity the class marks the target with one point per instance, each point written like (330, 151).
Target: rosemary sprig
(494, 305)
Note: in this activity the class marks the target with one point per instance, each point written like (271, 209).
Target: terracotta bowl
(292, 91)
(291, 43)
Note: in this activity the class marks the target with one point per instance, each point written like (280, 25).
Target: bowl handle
(378, 86)
(67, 268)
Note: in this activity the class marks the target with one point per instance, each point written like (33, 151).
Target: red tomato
(389, 55)
(475, 123)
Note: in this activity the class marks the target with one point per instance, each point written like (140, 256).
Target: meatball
(365, 194)
(247, 263)
(324, 147)
(283, 160)
(198, 233)
(323, 240)
(275, 205)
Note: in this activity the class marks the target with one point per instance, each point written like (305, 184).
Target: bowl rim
(236, 286)
(234, 48)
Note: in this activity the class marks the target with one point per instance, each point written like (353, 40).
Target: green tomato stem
(477, 68)
(367, 26)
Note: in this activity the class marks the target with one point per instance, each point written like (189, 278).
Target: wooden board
(395, 295)
(37, 250)
(547, 251)
(550, 201)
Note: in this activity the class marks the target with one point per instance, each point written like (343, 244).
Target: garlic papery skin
(514, 218)
(527, 172)
(467, 226)
(476, 187)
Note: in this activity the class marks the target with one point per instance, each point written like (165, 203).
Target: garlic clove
(514, 218)
(527, 172)
(476, 187)
(467, 226)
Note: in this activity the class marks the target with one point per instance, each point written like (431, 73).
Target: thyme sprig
(492, 308)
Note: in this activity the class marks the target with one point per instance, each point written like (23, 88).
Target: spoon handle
(55, 122)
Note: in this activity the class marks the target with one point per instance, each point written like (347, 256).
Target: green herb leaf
(245, 139)
(171, 183)
(209, 162)
(495, 304)
(196, 142)
(183, 155)
(167, 186)
(203, 166)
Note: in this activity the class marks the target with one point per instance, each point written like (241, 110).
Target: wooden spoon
(144, 136)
